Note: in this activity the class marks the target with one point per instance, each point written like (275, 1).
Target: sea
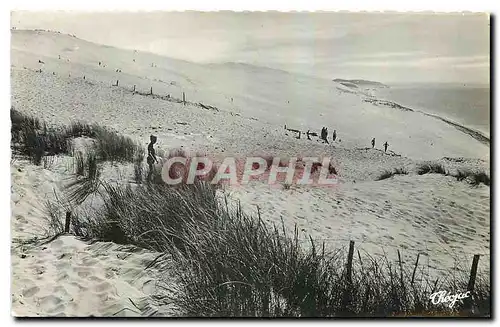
(468, 105)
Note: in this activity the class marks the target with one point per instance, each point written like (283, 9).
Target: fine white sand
(445, 220)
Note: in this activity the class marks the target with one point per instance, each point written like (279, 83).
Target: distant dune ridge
(224, 110)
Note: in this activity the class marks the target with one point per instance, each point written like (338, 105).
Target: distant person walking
(373, 143)
(325, 135)
(385, 146)
(334, 136)
(151, 156)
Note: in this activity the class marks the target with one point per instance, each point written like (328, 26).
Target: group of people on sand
(324, 134)
(385, 144)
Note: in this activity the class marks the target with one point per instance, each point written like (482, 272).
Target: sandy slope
(432, 214)
(66, 276)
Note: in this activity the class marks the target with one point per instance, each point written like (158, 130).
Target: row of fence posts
(151, 91)
(470, 286)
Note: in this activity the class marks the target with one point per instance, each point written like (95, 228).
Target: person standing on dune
(385, 146)
(151, 156)
(326, 136)
(373, 143)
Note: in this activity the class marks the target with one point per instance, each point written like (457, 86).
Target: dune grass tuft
(34, 139)
(389, 173)
(87, 177)
(473, 177)
(431, 168)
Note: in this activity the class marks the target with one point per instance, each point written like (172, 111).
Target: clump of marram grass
(389, 173)
(429, 168)
(385, 174)
(152, 216)
(111, 146)
(400, 171)
(480, 177)
(473, 177)
(34, 139)
(35, 144)
(20, 122)
(87, 177)
(81, 129)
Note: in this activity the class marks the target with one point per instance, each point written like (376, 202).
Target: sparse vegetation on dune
(35, 139)
(111, 146)
(386, 174)
(389, 173)
(229, 263)
(473, 177)
(431, 168)
(80, 129)
(400, 171)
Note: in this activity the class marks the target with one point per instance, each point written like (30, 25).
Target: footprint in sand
(29, 292)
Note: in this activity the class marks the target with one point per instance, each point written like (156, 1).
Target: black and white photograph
(197, 164)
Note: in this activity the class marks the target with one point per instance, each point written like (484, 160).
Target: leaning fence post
(472, 280)
(473, 272)
(68, 220)
(349, 261)
(134, 89)
(415, 269)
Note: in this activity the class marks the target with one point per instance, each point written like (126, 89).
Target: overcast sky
(389, 48)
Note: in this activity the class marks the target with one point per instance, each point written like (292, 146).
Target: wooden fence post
(184, 98)
(472, 281)
(134, 89)
(415, 269)
(349, 261)
(473, 272)
(68, 220)
(347, 293)
(401, 273)
(151, 92)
